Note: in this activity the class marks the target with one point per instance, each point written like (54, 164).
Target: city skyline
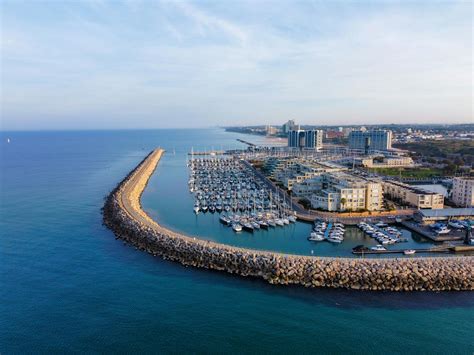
(132, 64)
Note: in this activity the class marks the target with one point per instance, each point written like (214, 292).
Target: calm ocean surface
(66, 284)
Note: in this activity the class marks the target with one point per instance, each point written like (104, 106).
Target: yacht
(279, 222)
(443, 230)
(378, 248)
(334, 240)
(248, 227)
(237, 227)
(316, 237)
(271, 223)
(224, 219)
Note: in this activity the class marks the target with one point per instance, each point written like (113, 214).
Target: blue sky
(162, 64)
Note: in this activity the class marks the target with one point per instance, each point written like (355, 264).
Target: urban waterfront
(71, 286)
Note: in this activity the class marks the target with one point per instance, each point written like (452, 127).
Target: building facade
(387, 162)
(412, 195)
(340, 191)
(288, 126)
(463, 192)
(296, 138)
(310, 139)
(371, 140)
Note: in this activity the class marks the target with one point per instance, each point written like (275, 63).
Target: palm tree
(343, 202)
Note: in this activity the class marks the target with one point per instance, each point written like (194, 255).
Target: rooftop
(447, 212)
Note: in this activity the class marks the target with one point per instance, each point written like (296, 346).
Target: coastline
(125, 217)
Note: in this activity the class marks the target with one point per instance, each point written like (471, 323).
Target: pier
(250, 144)
(428, 233)
(124, 215)
(210, 152)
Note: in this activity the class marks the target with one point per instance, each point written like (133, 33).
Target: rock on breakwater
(124, 215)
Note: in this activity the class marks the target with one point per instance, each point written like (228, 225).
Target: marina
(228, 187)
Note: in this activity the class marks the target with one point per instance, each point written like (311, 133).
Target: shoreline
(123, 214)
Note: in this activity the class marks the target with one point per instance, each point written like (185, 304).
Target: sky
(100, 64)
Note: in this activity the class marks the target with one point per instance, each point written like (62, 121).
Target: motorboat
(443, 230)
(316, 237)
(237, 227)
(378, 248)
(248, 227)
(409, 252)
(224, 220)
(334, 240)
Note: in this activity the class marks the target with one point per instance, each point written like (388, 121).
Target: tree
(343, 202)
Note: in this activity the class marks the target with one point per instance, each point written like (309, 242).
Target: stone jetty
(125, 217)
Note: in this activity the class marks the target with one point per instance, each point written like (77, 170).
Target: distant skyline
(163, 64)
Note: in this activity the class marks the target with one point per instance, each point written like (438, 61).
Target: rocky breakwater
(124, 215)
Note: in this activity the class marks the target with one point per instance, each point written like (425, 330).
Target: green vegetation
(416, 173)
(460, 152)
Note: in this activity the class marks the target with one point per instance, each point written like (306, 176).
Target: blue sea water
(67, 285)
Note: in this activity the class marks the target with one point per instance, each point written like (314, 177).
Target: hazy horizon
(134, 64)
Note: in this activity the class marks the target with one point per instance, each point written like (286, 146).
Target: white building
(463, 192)
(343, 192)
(387, 162)
(413, 195)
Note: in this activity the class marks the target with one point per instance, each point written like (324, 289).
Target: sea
(67, 285)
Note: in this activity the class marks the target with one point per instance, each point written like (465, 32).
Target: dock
(246, 142)
(210, 152)
(445, 248)
(428, 233)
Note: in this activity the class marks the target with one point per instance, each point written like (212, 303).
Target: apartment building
(339, 191)
(463, 191)
(413, 195)
(387, 162)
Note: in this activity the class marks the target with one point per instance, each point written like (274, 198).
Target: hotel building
(371, 140)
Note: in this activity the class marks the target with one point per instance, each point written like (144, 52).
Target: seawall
(125, 217)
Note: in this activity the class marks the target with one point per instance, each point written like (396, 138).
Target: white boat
(196, 209)
(237, 227)
(292, 219)
(443, 230)
(409, 252)
(334, 240)
(378, 248)
(316, 237)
